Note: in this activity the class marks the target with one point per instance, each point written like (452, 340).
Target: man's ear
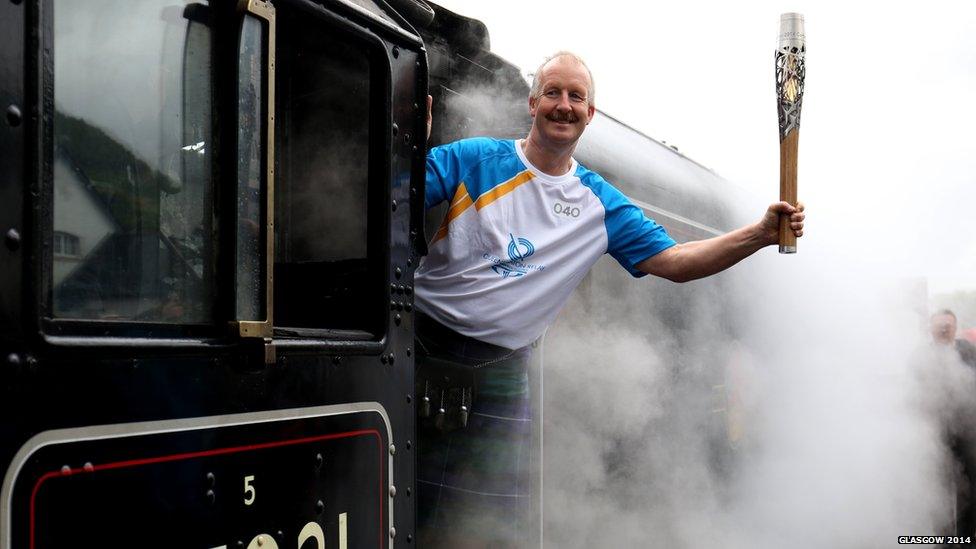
(533, 103)
(590, 111)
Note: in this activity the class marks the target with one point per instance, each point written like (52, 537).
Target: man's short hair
(536, 90)
(941, 312)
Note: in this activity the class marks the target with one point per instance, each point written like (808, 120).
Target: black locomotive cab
(212, 213)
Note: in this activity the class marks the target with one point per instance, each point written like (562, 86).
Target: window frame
(75, 332)
(221, 330)
(378, 196)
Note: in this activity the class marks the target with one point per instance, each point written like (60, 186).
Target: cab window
(131, 162)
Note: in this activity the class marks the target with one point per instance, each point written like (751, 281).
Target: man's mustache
(561, 117)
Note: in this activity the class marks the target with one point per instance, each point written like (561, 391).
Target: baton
(790, 71)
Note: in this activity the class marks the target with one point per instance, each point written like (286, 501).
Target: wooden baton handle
(787, 188)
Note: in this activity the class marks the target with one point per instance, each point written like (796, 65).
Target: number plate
(210, 482)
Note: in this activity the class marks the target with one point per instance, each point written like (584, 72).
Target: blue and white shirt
(516, 242)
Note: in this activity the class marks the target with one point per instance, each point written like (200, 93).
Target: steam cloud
(816, 417)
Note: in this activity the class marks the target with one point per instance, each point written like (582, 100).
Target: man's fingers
(430, 119)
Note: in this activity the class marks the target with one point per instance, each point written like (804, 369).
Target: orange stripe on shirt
(503, 189)
(460, 202)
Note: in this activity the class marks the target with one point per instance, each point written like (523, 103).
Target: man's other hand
(430, 119)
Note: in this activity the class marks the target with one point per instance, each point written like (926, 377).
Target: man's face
(562, 110)
(943, 329)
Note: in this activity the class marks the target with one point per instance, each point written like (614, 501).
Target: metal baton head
(791, 31)
(790, 71)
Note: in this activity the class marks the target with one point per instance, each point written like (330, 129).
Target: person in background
(961, 438)
(943, 326)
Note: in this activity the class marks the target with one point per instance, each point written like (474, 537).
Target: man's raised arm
(701, 258)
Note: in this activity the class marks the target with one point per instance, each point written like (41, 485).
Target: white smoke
(818, 421)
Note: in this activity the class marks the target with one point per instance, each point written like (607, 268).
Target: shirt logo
(519, 249)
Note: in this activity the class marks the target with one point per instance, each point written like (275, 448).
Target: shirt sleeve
(632, 237)
(444, 172)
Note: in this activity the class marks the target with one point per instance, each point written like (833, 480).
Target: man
(960, 437)
(500, 267)
(943, 327)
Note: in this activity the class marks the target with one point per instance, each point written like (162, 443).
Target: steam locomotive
(212, 212)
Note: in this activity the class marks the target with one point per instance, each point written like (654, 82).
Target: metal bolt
(392, 491)
(88, 467)
(211, 497)
(392, 532)
(383, 359)
(398, 272)
(409, 445)
(397, 319)
(319, 507)
(409, 538)
(408, 289)
(211, 480)
(14, 115)
(319, 460)
(336, 360)
(65, 470)
(408, 307)
(13, 240)
(409, 399)
(396, 52)
(394, 205)
(392, 449)
(396, 129)
(409, 491)
(392, 358)
(13, 359)
(409, 351)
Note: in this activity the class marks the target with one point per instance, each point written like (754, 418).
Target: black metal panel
(80, 375)
(216, 483)
(13, 130)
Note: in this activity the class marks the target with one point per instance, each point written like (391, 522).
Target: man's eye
(577, 97)
(552, 93)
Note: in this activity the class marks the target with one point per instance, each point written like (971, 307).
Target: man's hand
(430, 119)
(770, 221)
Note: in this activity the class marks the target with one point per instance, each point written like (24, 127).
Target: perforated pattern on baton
(790, 73)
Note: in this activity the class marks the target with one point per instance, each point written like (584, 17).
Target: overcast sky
(887, 162)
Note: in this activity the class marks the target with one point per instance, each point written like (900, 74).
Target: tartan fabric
(474, 484)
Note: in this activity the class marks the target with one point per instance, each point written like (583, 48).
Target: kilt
(476, 485)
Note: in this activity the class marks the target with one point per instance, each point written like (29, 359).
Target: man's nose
(563, 104)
